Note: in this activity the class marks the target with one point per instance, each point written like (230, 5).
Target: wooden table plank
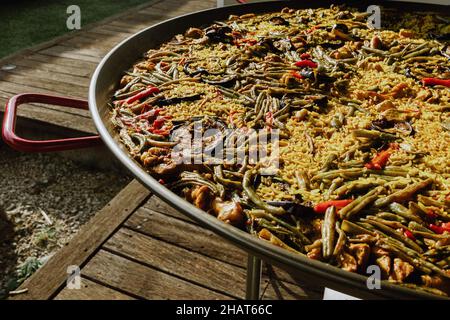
(91, 291)
(141, 281)
(53, 274)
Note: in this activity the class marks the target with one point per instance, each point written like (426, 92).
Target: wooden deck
(137, 246)
(63, 66)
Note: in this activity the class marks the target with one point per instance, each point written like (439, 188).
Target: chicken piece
(269, 236)
(348, 262)
(402, 90)
(385, 105)
(125, 80)
(154, 156)
(228, 211)
(145, 65)
(376, 42)
(379, 252)
(437, 282)
(405, 33)
(401, 270)
(315, 253)
(194, 33)
(365, 238)
(362, 252)
(384, 262)
(201, 197)
(342, 53)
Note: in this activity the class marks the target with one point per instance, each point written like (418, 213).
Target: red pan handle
(25, 145)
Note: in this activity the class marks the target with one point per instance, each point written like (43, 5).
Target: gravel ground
(44, 200)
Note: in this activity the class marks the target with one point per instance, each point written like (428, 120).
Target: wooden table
(137, 246)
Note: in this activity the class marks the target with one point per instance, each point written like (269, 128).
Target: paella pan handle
(25, 145)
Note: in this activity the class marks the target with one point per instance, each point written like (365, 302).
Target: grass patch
(25, 23)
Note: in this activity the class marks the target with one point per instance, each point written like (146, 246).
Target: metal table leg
(253, 277)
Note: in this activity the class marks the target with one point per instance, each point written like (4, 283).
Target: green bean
(403, 195)
(259, 101)
(328, 162)
(162, 144)
(403, 254)
(247, 185)
(355, 186)
(444, 263)
(404, 212)
(429, 201)
(360, 203)
(353, 228)
(375, 51)
(391, 217)
(218, 176)
(341, 241)
(123, 133)
(394, 234)
(416, 53)
(128, 94)
(328, 232)
(271, 217)
(302, 179)
(413, 225)
(430, 235)
(373, 134)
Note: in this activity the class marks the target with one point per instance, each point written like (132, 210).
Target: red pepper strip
(142, 94)
(436, 82)
(436, 229)
(446, 226)
(306, 63)
(409, 234)
(431, 214)
(269, 119)
(297, 75)
(161, 181)
(305, 55)
(149, 114)
(161, 132)
(159, 122)
(323, 206)
(380, 160)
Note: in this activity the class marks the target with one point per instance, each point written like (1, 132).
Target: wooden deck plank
(50, 66)
(185, 235)
(91, 291)
(63, 61)
(47, 84)
(139, 280)
(51, 276)
(200, 240)
(193, 267)
(66, 52)
(37, 75)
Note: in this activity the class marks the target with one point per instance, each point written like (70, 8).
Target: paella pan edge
(120, 58)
